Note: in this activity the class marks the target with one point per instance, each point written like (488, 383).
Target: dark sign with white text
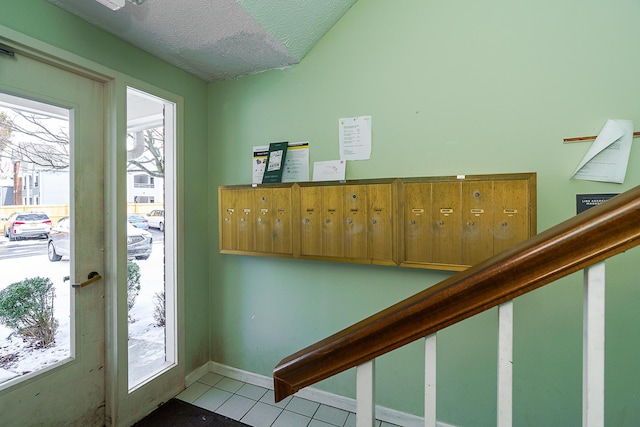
(586, 201)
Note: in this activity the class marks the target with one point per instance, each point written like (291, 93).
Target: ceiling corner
(297, 25)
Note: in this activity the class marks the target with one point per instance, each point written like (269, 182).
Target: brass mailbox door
(333, 220)
(246, 220)
(355, 227)
(477, 221)
(282, 221)
(229, 223)
(311, 221)
(263, 220)
(417, 222)
(511, 213)
(447, 232)
(380, 222)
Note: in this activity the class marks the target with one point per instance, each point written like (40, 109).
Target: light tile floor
(255, 406)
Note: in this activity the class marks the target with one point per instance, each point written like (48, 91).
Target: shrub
(158, 308)
(133, 284)
(27, 308)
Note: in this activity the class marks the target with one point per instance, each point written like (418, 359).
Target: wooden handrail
(594, 235)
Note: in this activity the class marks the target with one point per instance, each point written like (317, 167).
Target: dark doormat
(179, 413)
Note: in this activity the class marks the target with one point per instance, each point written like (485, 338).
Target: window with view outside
(151, 286)
(35, 300)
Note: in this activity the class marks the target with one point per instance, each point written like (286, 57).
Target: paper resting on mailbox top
(608, 156)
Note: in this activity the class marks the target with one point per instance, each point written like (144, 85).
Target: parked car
(138, 221)
(139, 242)
(27, 224)
(156, 219)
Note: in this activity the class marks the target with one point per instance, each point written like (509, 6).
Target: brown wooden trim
(434, 266)
(590, 138)
(347, 182)
(463, 177)
(593, 236)
(249, 186)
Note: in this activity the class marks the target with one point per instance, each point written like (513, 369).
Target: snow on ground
(146, 341)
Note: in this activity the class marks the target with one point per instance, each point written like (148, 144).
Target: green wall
(42, 20)
(453, 88)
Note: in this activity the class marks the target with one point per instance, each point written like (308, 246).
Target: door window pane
(35, 297)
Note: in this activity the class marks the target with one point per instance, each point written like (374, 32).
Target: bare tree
(5, 140)
(46, 143)
(5, 131)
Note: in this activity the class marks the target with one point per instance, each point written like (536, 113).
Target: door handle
(92, 277)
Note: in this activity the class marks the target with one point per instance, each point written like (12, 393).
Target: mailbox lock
(440, 223)
(412, 222)
(327, 221)
(504, 224)
(374, 221)
(471, 223)
(349, 220)
(355, 196)
(259, 219)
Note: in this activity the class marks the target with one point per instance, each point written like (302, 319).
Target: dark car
(138, 241)
(26, 224)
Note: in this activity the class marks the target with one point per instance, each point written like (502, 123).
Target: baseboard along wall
(341, 402)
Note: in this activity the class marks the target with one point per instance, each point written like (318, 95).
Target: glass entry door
(52, 356)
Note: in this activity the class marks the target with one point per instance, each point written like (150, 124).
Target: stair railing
(578, 243)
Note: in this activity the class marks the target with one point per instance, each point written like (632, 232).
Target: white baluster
(505, 364)
(365, 394)
(593, 346)
(430, 381)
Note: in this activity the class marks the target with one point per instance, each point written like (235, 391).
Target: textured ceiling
(218, 39)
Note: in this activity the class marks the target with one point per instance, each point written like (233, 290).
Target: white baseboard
(341, 402)
(196, 374)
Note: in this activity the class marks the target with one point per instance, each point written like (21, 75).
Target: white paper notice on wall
(608, 157)
(355, 138)
(330, 170)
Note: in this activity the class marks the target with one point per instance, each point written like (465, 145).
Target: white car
(26, 224)
(155, 218)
